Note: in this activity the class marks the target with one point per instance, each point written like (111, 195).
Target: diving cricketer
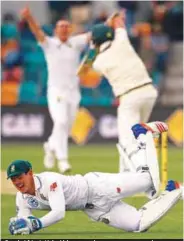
(62, 53)
(97, 194)
(120, 64)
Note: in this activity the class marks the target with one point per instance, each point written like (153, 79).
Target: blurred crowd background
(155, 29)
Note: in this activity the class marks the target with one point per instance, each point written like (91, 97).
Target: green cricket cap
(18, 167)
(102, 33)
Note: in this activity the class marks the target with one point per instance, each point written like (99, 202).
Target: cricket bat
(88, 58)
(83, 62)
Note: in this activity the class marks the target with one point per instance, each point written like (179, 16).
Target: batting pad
(154, 210)
(125, 162)
(152, 163)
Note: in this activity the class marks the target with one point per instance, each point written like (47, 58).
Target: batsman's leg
(147, 108)
(141, 153)
(127, 115)
(151, 129)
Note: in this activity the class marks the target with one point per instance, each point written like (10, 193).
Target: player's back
(121, 65)
(75, 188)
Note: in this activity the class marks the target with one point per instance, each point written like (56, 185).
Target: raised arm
(35, 28)
(117, 20)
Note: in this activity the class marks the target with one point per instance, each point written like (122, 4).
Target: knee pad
(138, 129)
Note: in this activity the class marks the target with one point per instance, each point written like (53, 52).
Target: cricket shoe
(49, 158)
(64, 166)
(156, 127)
(172, 185)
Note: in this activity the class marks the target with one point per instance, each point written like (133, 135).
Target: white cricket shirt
(120, 64)
(56, 193)
(62, 60)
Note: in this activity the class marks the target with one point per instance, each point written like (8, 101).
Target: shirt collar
(105, 46)
(38, 185)
(37, 182)
(59, 42)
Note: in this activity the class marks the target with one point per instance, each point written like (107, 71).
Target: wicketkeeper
(97, 194)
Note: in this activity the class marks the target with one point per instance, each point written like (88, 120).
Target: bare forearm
(35, 28)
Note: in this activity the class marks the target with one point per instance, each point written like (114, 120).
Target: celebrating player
(126, 73)
(62, 54)
(97, 194)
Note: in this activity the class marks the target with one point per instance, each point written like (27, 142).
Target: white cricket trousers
(105, 193)
(63, 110)
(135, 107)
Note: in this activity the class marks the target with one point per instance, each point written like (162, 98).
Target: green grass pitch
(76, 225)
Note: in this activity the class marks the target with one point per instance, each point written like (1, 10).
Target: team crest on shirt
(33, 202)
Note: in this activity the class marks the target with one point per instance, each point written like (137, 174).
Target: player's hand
(25, 13)
(117, 19)
(25, 225)
(109, 21)
(18, 226)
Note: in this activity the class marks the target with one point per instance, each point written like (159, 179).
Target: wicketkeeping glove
(25, 225)
(18, 226)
